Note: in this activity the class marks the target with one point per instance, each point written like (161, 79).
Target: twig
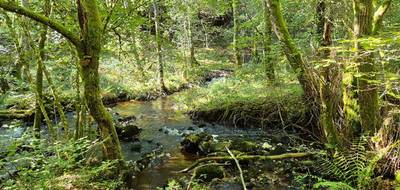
(238, 166)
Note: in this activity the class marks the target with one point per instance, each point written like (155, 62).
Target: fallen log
(16, 114)
(248, 157)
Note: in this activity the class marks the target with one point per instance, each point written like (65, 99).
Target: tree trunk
(304, 72)
(193, 61)
(89, 54)
(20, 61)
(330, 83)
(159, 50)
(88, 46)
(206, 43)
(368, 98)
(139, 61)
(236, 32)
(269, 65)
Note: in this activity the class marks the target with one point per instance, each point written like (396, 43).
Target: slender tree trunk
(139, 61)
(17, 69)
(159, 50)
(39, 70)
(206, 43)
(78, 105)
(236, 32)
(269, 65)
(304, 72)
(193, 61)
(35, 89)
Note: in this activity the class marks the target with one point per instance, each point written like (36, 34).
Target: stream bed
(164, 125)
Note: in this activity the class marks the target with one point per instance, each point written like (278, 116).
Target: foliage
(36, 164)
(244, 96)
(353, 167)
(333, 185)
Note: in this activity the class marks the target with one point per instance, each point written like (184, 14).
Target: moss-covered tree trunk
(330, 80)
(368, 98)
(39, 70)
(139, 61)
(193, 61)
(88, 46)
(20, 61)
(270, 69)
(163, 88)
(304, 72)
(89, 54)
(236, 32)
(367, 22)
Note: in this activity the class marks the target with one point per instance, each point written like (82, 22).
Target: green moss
(207, 173)
(243, 145)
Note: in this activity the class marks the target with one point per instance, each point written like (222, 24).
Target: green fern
(352, 168)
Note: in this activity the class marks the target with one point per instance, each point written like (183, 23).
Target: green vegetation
(242, 98)
(199, 94)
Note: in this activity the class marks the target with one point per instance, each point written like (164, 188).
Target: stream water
(163, 127)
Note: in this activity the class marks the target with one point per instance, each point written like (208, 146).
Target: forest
(200, 94)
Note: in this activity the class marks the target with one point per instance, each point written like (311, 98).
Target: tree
(159, 49)
(236, 32)
(366, 24)
(189, 18)
(304, 72)
(88, 46)
(270, 70)
(330, 79)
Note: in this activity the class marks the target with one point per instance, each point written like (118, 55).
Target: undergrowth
(351, 169)
(31, 163)
(245, 98)
(120, 77)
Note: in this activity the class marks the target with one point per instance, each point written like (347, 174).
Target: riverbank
(119, 86)
(248, 99)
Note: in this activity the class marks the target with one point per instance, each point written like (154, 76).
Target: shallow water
(163, 125)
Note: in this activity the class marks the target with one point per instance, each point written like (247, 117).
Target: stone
(136, 147)
(129, 132)
(200, 144)
(209, 172)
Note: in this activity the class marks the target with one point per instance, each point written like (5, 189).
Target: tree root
(248, 157)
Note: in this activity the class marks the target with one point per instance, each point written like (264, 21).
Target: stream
(163, 127)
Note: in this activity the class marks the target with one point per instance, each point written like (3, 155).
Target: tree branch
(248, 157)
(378, 15)
(12, 7)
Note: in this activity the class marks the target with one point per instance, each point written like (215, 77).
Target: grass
(119, 77)
(245, 98)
